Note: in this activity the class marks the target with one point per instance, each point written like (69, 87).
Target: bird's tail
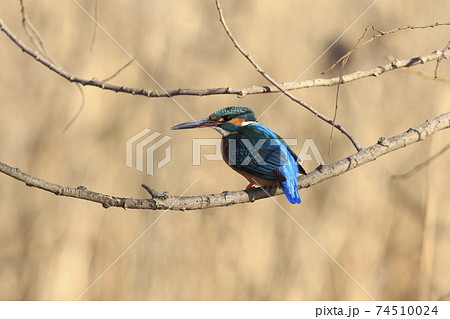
(289, 186)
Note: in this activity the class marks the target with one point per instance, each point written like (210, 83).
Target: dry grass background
(392, 235)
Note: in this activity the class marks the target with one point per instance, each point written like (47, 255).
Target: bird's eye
(226, 118)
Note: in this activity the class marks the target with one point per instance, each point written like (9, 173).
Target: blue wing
(262, 153)
(289, 186)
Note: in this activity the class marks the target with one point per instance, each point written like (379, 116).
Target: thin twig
(33, 33)
(278, 86)
(162, 201)
(341, 71)
(440, 59)
(286, 86)
(423, 74)
(383, 33)
(80, 108)
(118, 71)
(38, 43)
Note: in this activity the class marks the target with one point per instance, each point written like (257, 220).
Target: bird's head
(227, 120)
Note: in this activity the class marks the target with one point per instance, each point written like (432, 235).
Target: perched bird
(253, 150)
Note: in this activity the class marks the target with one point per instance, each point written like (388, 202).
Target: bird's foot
(249, 186)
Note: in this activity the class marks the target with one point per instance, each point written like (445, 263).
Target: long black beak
(206, 122)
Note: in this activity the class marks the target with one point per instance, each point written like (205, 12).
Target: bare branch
(80, 109)
(380, 34)
(33, 33)
(286, 86)
(341, 71)
(278, 86)
(423, 74)
(123, 67)
(162, 201)
(38, 43)
(440, 59)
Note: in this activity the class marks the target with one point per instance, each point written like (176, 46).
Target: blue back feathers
(257, 150)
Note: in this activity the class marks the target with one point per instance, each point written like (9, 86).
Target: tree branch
(383, 33)
(289, 86)
(278, 86)
(163, 201)
(440, 59)
(423, 74)
(33, 33)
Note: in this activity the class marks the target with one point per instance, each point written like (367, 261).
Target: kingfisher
(253, 150)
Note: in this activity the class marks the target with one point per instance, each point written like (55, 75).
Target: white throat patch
(221, 131)
(226, 133)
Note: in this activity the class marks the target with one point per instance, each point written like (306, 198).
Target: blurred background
(391, 234)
